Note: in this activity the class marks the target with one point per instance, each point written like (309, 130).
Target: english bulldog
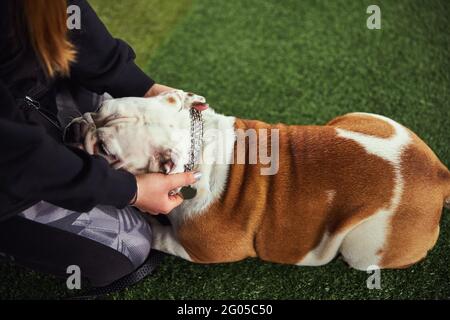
(362, 185)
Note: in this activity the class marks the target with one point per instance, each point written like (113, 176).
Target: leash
(35, 105)
(146, 269)
(31, 103)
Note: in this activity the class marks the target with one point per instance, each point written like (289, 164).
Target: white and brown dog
(363, 185)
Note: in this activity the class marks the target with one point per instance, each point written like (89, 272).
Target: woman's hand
(153, 191)
(157, 89)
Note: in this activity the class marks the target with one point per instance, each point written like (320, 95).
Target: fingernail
(197, 175)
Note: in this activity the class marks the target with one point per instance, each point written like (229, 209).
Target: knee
(135, 236)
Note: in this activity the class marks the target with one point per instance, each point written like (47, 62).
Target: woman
(60, 206)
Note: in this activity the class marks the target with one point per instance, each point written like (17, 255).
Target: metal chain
(196, 139)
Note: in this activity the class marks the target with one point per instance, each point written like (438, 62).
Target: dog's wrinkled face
(139, 135)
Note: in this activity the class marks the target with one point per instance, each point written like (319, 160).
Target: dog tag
(188, 192)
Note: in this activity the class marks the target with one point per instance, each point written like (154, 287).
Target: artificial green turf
(301, 62)
(144, 24)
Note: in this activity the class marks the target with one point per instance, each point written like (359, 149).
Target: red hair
(47, 32)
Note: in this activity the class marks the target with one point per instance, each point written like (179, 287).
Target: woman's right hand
(153, 191)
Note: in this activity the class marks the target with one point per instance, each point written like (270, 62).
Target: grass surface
(301, 62)
(144, 24)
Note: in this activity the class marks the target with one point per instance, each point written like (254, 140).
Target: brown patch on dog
(171, 100)
(281, 218)
(363, 124)
(318, 161)
(414, 228)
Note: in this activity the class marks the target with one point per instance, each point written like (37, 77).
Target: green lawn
(301, 62)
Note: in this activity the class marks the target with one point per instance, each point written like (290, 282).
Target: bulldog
(362, 186)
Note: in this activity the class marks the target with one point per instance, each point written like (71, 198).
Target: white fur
(324, 252)
(360, 245)
(165, 240)
(141, 120)
(148, 118)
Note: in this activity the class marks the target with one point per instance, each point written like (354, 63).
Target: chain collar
(196, 139)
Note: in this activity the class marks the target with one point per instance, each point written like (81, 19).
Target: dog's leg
(164, 239)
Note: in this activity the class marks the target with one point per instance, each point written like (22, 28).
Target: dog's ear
(192, 100)
(184, 100)
(107, 96)
(173, 97)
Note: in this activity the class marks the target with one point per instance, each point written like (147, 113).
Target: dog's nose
(74, 133)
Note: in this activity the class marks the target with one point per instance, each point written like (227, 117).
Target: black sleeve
(105, 64)
(33, 166)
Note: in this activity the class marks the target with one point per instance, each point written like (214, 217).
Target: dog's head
(139, 135)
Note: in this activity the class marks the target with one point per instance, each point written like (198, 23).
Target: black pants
(106, 243)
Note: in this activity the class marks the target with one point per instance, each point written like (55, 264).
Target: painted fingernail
(197, 175)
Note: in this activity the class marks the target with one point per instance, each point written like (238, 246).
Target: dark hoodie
(34, 164)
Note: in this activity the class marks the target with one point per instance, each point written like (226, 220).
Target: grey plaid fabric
(124, 230)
